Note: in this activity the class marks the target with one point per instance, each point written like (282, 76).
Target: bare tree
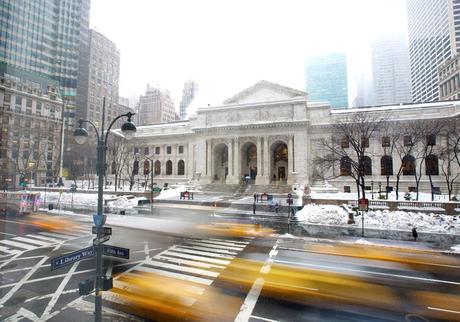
(449, 155)
(349, 142)
(118, 156)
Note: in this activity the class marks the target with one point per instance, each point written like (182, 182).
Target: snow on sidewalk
(382, 219)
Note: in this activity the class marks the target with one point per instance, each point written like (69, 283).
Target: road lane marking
(180, 268)
(8, 250)
(213, 250)
(22, 281)
(229, 241)
(203, 241)
(191, 251)
(251, 298)
(333, 268)
(179, 276)
(31, 241)
(54, 240)
(191, 263)
(199, 258)
(442, 310)
(9, 242)
(58, 292)
(60, 236)
(217, 246)
(262, 319)
(8, 234)
(20, 314)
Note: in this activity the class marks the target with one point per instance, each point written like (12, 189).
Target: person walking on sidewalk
(414, 233)
(254, 208)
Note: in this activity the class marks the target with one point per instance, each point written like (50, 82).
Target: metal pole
(151, 184)
(100, 195)
(362, 220)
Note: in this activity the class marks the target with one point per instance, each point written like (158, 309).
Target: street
(202, 265)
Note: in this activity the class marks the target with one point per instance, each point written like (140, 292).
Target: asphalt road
(217, 277)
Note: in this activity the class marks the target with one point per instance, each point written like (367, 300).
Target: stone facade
(266, 133)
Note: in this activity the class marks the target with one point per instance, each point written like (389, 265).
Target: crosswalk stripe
(199, 258)
(44, 238)
(9, 242)
(180, 268)
(183, 277)
(215, 246)
(188, 262)
(230, 240)
(31, 241)
(209, 249)
(8, 251)
(197, 252)
(61, 236)
(213, 242)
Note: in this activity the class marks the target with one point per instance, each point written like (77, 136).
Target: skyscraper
(188, 94)
(434, 35)
(103, 79)
(326, 79)
(391, 70)
(156, 107)
(45, 37)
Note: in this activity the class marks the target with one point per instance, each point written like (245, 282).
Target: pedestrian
(255, 197)
(254, 208)
(277, 207)
(414, 233)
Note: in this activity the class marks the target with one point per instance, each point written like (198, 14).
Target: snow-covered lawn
(382, 219)
(423, 196)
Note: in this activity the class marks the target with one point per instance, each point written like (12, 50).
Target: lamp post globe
(81, 135)
(128, 129)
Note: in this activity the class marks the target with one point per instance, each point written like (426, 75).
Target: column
(266, 160)
(236, 161)
(231, 178)
(260, 178)
(290, 172)
(209, 159)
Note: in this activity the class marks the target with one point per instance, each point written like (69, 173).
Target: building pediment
(264, 91)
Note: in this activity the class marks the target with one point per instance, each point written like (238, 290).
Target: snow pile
(125, 202)
(171, 193)
(382, 219)
(456, 248)
(423, 196)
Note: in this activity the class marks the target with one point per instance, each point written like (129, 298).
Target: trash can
(50, 206)
(122, 212)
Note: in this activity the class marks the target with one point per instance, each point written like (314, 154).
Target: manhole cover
(16, 301)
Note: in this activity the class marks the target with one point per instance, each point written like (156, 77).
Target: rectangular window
(344, 143)
(157, 150)
(146, 151)
(181, 149)
(18, 100)
(29, 102)
(431, 139)
(346, 189)
(168, 149)
(386, 141)
(407, 140)
(136, 150)
(7, 98)
(365, 142)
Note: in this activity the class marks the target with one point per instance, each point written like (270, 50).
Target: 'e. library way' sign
(70, 258)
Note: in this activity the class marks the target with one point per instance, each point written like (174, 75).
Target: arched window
(365, 166)
(386, 165)
(114, 167)
(181, 168)
(146, 167)
(345, 166)
(431, 165)
(136, 167)
(157, 167)
(408, 165)
(169, 167)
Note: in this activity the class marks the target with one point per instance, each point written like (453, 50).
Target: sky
(227, 46)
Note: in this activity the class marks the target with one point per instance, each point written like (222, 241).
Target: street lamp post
(372, 188)
(81, 136)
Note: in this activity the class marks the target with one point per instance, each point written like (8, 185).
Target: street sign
(363, 204)
(101, 240)
(70, 258)
(115, 251)
(104, 230)
(99, 220)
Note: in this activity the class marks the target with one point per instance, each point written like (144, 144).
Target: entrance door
(281, 173)
(253, 173)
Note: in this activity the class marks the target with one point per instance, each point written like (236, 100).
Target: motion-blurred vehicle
(19, 202)
(51, 223)
(235, 229)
